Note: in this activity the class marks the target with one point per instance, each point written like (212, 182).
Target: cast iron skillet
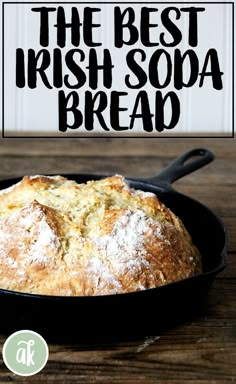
(138, 312)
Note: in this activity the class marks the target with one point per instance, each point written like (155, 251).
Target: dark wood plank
(145, 166)
(170, 147)
(230, 270)
(184, 356)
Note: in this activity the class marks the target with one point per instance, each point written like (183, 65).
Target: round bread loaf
(58, 237)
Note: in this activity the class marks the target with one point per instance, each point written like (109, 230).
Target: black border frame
(70, 136)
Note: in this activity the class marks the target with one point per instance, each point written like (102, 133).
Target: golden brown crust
(58, 237)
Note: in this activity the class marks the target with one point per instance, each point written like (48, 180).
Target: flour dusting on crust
(124, 247)
(58, 237)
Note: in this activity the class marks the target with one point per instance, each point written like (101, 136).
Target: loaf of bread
(58, 237)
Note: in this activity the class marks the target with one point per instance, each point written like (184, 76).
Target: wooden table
(202, 350)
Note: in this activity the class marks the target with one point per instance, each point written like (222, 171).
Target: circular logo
(25, 353)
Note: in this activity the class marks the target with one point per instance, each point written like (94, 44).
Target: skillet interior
(142, 312)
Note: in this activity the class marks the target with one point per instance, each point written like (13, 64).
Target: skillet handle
(184, 164)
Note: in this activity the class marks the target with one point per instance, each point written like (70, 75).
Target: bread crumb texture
(59, 237)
